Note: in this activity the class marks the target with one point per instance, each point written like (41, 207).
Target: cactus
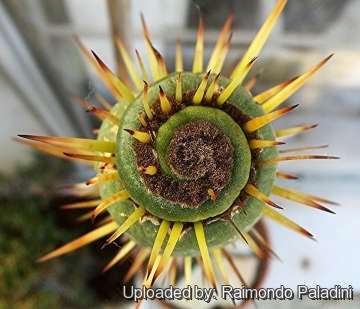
(186, 161)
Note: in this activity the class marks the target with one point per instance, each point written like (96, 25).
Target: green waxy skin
(218, 233)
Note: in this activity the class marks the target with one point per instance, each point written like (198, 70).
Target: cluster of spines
(270, 99)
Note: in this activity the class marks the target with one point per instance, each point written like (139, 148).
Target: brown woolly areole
(199, 150)
(191, 189)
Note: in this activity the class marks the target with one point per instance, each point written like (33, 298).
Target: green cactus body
(213, 214)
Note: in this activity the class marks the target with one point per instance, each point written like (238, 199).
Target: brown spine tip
(241, 206)
(212, 88)
(199, 94)
(164, 102)
(104, 114)
(161, 62)
(105, 244)
(26, 136)
(271, 203)
(294, 130)
(286, 176)
(327, 210)
(237, 229)
(99, 61)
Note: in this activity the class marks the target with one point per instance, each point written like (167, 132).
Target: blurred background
(41, 66)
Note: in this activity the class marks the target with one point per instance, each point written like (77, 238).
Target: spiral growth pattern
(186, 161)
